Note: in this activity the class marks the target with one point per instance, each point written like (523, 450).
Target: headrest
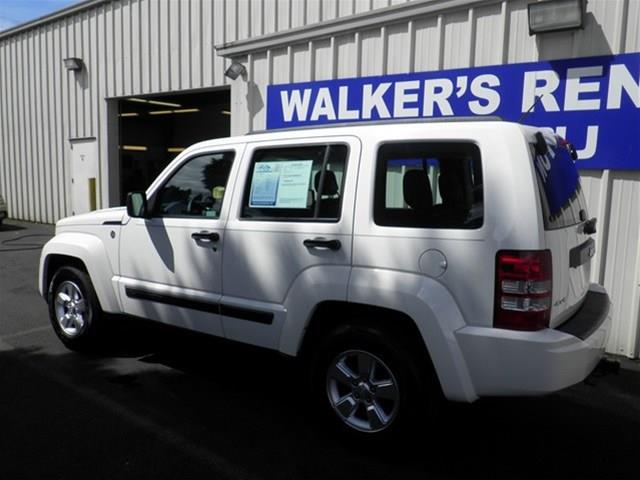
(417, 190)
(455, 185)
(330, 186)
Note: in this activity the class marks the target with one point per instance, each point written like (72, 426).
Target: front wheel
(74, 309)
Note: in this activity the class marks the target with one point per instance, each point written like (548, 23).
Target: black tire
(87, 336)
(418, 396)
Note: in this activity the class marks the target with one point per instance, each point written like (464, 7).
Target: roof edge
(343, 25)
(65, 12)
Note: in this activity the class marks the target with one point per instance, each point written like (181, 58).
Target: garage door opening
(154, 130)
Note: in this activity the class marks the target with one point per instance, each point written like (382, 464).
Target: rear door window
(429, 185)
(559, 185)
(302, 183)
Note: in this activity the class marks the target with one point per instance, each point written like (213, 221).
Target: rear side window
(429, 185)
(559, 186)
(296, 183)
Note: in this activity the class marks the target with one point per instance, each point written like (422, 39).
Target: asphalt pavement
(165, 404)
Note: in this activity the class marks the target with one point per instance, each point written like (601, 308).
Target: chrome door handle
(322, 243)
(205, 236)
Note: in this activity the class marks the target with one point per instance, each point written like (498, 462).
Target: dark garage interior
(154, 130)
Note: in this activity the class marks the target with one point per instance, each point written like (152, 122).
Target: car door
(288, 240)
(171, 263)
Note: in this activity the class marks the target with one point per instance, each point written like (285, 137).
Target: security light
(235, 70)
(555, 15)
(73, 64)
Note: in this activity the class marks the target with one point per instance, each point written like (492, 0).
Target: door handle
(322, 243)
(206, 236)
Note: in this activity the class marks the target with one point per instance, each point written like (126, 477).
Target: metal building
(69, 137)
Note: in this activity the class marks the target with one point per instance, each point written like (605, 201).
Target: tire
(393, 397)
(74, 310)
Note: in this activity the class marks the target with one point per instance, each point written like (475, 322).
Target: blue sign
(593, 102)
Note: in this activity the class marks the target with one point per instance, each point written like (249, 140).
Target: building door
(84, 173)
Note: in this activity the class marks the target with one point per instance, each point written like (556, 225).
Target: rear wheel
(74, 309)
(369, 384)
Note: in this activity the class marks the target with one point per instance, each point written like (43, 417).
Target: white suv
(402, 261)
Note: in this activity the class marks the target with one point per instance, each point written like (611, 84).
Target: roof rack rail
(484, 118)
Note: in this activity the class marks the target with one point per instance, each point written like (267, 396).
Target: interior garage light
(225, 112)
(164, 104)
(235, 70)
(167, 112)
(134, 148)
(129, 114)
(175, 149)
(555, 15)
(154, 102)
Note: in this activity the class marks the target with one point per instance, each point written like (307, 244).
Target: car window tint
(197, 189)
(559, 186)
(429, 185)
(296, 183)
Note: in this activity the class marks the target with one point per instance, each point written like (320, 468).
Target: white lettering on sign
(620, 79)
(575, 86)
(343, 106)
(479, 88)
(591, 142)
(437, 92)
(401, 98)
(583, 90)
(295, 104)
(373, 99)
(531, 90)
(323, 106)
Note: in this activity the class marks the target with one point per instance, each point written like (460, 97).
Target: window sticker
(280, 184)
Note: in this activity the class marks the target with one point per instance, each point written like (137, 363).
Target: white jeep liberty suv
(403, 261)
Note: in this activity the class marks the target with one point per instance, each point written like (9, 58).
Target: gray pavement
(167, 404)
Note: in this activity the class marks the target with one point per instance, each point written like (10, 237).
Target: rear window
(559, 186)
(429, 185)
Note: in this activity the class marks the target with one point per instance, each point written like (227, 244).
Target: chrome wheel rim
(363, 391)
(70, 308)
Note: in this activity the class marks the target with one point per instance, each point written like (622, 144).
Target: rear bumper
(506, 362)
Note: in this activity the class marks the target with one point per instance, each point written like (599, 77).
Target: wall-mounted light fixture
(555, 15)
(235, 70)
(73, 64)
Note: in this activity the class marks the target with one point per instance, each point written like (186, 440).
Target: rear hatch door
(565, 218)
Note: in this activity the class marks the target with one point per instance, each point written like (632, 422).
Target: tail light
(523, 289)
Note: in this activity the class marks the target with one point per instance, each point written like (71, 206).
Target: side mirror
(137, 205)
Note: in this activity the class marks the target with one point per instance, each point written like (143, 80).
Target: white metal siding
(129, 47)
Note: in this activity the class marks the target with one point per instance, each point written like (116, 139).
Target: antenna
(524, 115)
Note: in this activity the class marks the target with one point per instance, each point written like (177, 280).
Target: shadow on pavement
(190, 405)
(7, 227)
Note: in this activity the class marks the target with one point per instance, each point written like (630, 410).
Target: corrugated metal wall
(493, 32)
(134, 47)
(129, 47)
